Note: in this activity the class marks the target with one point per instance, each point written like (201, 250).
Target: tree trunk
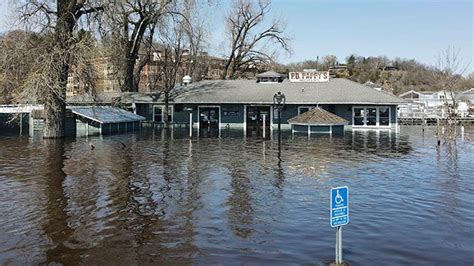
(55, 103)
(226, 68)
(55, 116)
(130, 81)
(233, 70)
(166, 123)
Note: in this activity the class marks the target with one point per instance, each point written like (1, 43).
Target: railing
(418, 110)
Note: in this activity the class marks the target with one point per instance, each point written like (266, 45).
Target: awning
(105, 114)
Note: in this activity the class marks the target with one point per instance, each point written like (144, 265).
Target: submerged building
(245, 103)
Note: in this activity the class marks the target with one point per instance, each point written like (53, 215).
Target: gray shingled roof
(336, 91)
(317, 116)
(271, 74)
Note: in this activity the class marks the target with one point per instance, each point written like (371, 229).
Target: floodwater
(160, 198)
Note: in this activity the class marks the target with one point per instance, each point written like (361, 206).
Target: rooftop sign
(309, 76)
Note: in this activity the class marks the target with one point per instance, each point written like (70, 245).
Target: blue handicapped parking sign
(339, 206)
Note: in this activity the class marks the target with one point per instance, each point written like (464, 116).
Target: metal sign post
(339, 216)
(338, 245)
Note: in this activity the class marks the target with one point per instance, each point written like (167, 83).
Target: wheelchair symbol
(339, 198)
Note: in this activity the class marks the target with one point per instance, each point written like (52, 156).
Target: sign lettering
(309, 76)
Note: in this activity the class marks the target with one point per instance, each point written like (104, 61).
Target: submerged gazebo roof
(317, 116)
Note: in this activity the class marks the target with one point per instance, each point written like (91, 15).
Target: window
(384, 116)
(157, 116)
(268, 80)
(158, 113)
(359, 114)
(371, 116)
(304, 109)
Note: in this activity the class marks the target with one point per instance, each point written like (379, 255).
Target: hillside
(397, 75)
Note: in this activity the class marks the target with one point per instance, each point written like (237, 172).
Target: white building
(435, 104)
(465, 103)
(425, 104)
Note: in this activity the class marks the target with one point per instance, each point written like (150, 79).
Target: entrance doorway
(209, 117)
(255, 115)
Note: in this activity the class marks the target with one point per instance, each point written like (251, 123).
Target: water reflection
(279, 172)
(56, 227)
(160, 197)
(378, 142)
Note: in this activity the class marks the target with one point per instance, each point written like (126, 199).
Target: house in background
(435, 104)
(465, 103)
(425, 104)
(106, 76)
(104, 79)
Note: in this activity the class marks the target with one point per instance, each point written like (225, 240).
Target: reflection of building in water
(376, 141)
(311, 156)
(241, 211)
(316, 155)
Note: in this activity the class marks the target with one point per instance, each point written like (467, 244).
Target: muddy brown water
(165, 199)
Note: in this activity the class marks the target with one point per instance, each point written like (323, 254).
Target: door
(209, 122)
(255, 116)
(209, 117)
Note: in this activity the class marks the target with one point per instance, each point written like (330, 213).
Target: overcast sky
(418, 29)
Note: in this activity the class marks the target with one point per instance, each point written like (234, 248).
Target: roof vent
(187, 79)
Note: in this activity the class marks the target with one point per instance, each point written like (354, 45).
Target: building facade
(435, 104)
(105, 76)
(248, 104)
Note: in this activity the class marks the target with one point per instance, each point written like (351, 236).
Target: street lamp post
(279, 103)
(190, 110)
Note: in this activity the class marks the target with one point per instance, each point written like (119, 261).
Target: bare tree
(447, 75)
(125, 29)
(173, 42)
(196, 32)
(307, 64)
(467, 82)
(178, 44)
(15, 63)
(248, 36)
(56, 21)
(329, 61)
